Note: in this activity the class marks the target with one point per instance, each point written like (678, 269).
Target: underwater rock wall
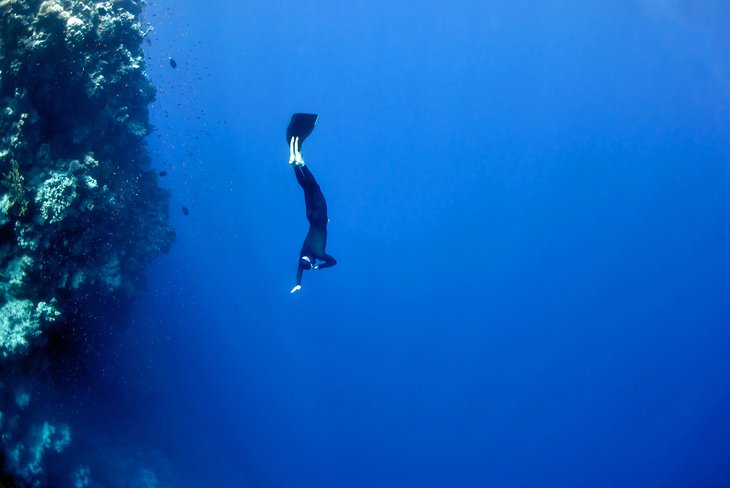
(81, 211)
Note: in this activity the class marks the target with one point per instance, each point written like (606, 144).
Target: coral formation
(21, 321)
(26, 457)
(81, 212)
(55, 196)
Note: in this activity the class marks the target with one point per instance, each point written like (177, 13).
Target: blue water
(530, 209)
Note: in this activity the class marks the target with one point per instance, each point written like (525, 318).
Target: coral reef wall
(81, 211)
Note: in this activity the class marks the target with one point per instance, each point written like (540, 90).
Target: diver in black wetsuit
(316, 240)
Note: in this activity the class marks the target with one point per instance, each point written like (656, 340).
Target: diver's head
(306, 262)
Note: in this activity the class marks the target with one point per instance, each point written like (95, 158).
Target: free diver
(313, 248)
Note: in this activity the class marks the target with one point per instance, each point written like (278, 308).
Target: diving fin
(301, 125)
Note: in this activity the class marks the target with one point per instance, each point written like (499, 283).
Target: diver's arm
(329, 261)
(299, 279)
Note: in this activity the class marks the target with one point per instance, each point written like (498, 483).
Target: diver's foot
(295, 155)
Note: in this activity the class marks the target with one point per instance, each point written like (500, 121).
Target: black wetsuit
(316, 239)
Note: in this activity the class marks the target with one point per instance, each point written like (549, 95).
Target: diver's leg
(308, 175)
(305, 177)
(301, 179)
(313, 197)
(329, 261)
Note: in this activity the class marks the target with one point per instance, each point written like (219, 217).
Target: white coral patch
(52, 7)
(90, 161)
(18, 324)
(21, 321)
(18, 269)
(47, 311)
(74, 22)
(90, 182)
(76, 30)
(5, 204)
(55, 196)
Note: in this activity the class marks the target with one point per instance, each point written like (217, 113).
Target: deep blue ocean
(529, 203)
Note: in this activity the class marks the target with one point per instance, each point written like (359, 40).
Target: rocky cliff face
(81, 212)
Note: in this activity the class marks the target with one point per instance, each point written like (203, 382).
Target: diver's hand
(295, 156)
(296, 288)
